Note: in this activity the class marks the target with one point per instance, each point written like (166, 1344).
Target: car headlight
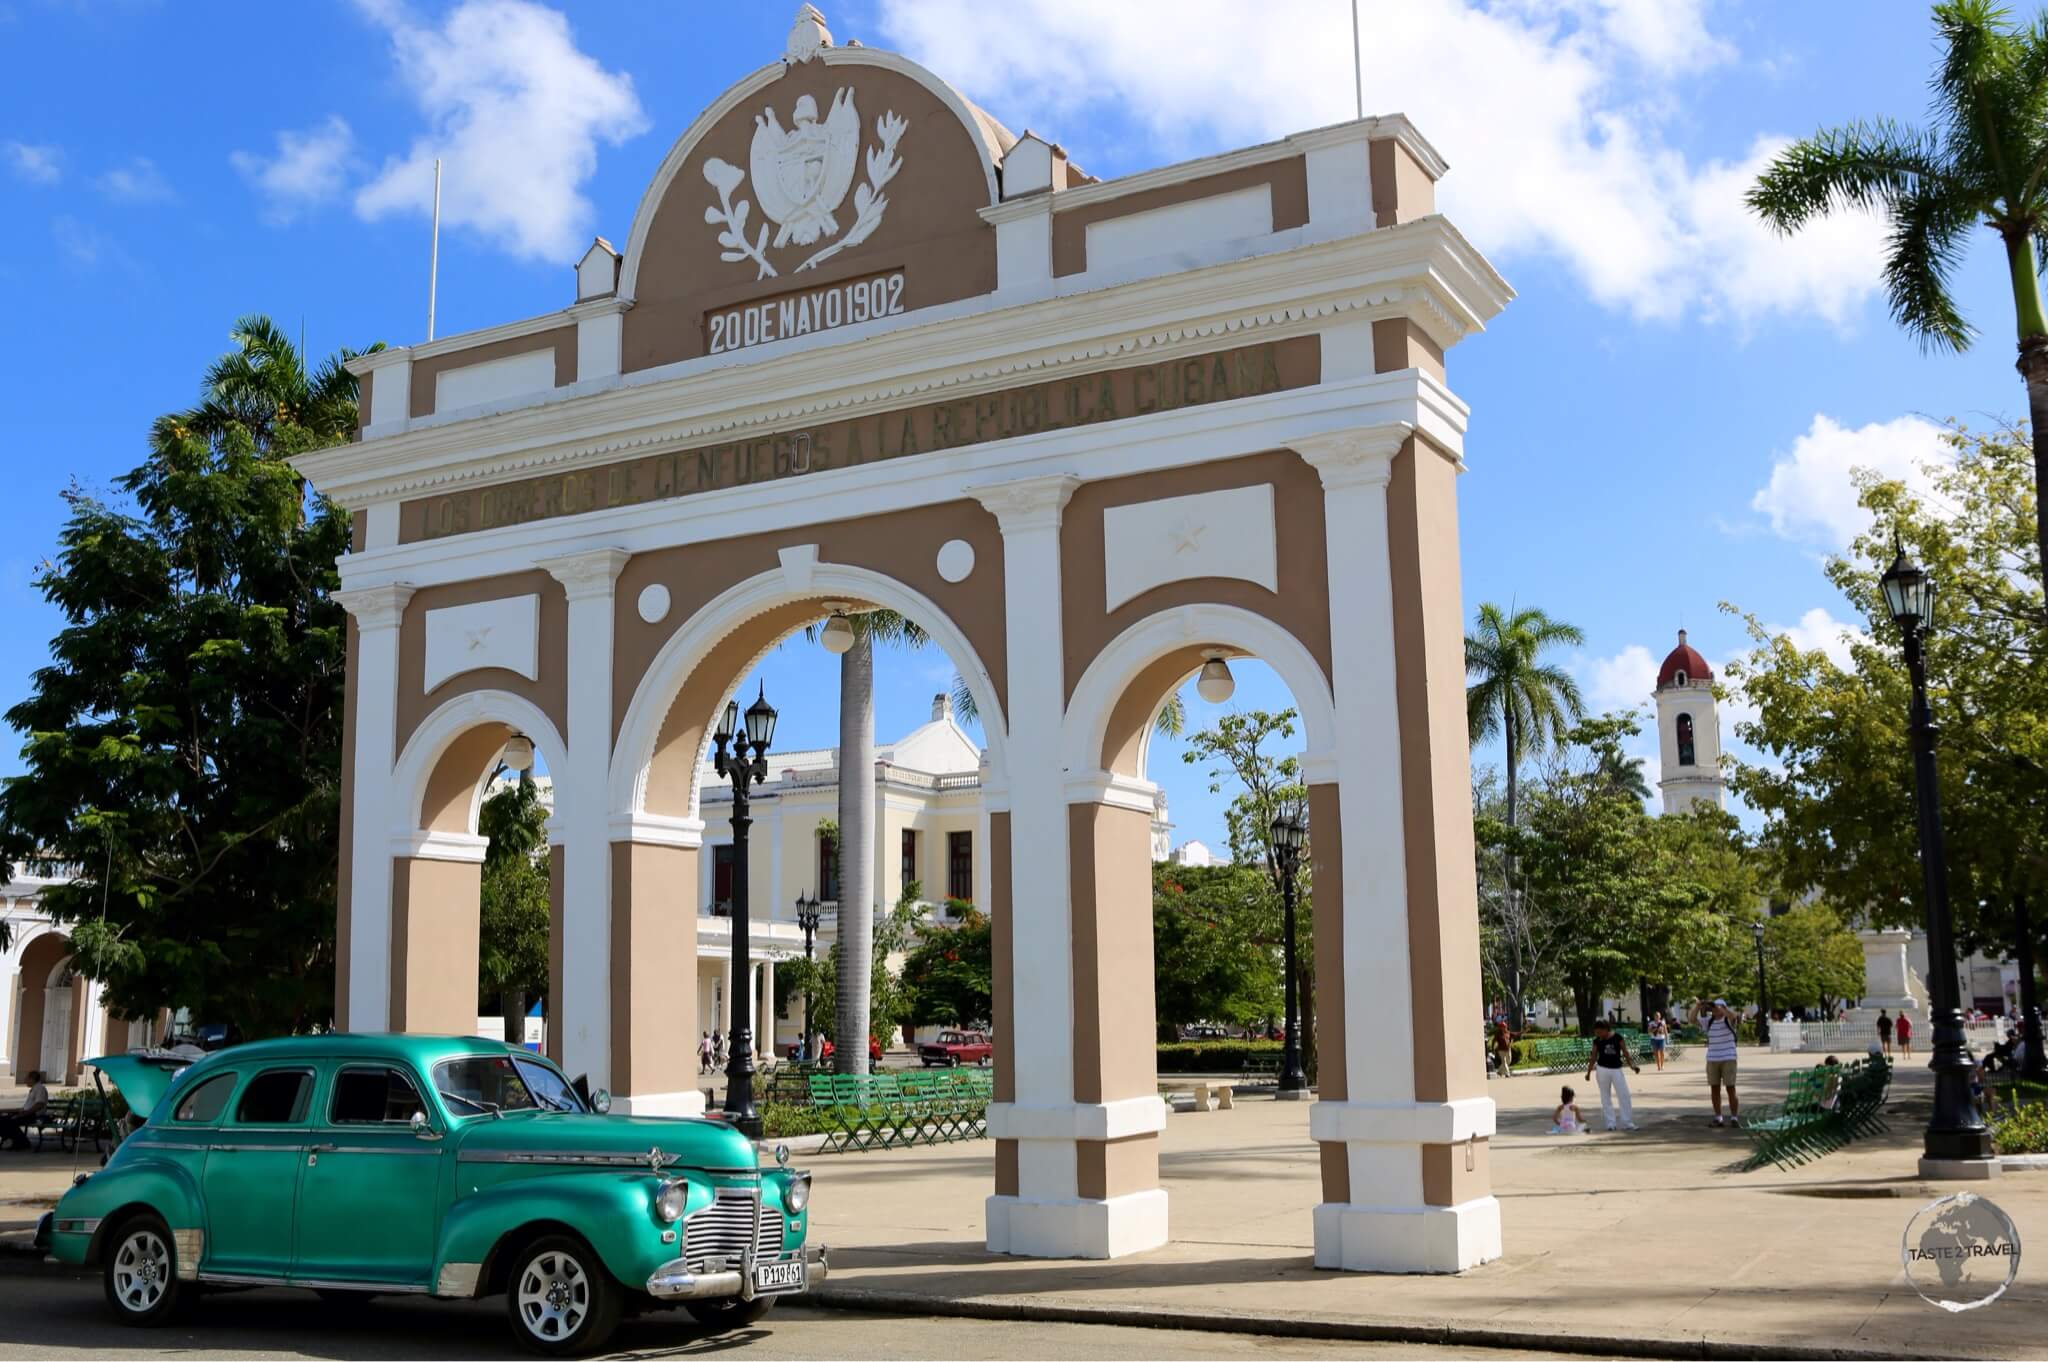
(671, 1199)
(796, 1192)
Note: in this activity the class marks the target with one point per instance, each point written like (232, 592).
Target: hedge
(1211, 1056)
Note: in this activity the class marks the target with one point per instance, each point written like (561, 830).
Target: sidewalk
(1632, 1243)
(1644, 1242)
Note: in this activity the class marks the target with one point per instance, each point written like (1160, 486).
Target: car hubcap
(142, 1267)
(554, 1295)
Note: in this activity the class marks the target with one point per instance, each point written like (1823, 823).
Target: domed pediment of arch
(836, 185)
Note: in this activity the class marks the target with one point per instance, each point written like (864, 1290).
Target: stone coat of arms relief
(802, 172)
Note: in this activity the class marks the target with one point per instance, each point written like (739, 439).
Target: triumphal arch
(867, 348)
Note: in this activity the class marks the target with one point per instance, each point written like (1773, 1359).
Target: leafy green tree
(1811, 958)
(950, 968)
(1985, 165)
(183, 746)
(1836, 784)
(1237, 751)
(1213, 951)
(514, 902)
(1512, 694)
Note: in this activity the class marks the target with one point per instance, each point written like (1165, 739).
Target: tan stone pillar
(654, 966)
(1403, 1119)
(1116, 1084)
(436, 878)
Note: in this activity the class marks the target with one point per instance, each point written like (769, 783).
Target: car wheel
(730, 1312)
(561, 1299)
(141, 1272)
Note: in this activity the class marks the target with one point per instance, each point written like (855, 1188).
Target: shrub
(2019, 1127)
(1211, 1056)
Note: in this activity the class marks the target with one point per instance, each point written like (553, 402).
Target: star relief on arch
(801, 175)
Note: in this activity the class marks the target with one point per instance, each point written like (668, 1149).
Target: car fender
(158, 1184)
(613, 1212)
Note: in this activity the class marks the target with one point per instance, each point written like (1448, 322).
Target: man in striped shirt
(1719, 1024)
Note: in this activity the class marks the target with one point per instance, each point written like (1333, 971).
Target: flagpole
(434, 259)
(1357, 68)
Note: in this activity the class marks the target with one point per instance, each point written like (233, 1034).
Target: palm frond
(1928, 237)
(1858, 165)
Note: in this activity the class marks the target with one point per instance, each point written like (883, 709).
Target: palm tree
(263, 387)
(1623, 774)
(1513, 695)
(1985, 163)
(857, 828)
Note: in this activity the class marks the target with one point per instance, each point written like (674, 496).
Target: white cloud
(36, 164)
(1819, 629)
(1620, 682)
(515, 110)
(139, 181)
(310, 168)
(1552, 115)
(1811, 495)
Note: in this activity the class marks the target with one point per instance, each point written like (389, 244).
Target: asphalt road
(64, 1316)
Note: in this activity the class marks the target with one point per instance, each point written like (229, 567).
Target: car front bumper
(673, 1280)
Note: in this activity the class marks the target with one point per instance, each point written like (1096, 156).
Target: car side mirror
(600, 1101)
(422, 1128)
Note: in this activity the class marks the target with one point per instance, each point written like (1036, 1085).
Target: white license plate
(787, 1276)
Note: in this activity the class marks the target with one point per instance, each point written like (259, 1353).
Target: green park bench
(1260, 1069)
(1804, 1127)
(896, 1111)
(70, 1118)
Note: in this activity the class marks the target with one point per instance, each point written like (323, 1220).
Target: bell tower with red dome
(1688, 731)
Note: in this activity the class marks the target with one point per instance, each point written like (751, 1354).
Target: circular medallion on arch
(653, 603)
(956, 560)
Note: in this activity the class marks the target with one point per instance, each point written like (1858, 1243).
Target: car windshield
(478, 1084)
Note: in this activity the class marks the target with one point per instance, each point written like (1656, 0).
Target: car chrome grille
(721, 1230)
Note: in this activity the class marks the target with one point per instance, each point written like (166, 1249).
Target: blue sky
(1663, 420)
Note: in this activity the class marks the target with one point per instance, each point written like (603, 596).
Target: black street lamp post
(1763, 1006)
(1955, 1132)
(743, 771)
(807, 918)
(1290, 832)
(2035, 1065)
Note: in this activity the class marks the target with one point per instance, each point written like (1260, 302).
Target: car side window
(373, 1096)
(275, 1097)
(204, 1104)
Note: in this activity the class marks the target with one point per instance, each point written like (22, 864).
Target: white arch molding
(438, 732)
(1086, 726)
(691, 645)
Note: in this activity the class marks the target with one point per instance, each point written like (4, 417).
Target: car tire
(560, 1299)
(730, 1312)
(139, 1268)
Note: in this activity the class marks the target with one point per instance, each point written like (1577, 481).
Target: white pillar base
(689, 1103)
(1076, 1228)
(1352, 1238)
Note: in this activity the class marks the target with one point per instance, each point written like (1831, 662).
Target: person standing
(1719, 1024)
(1884, 1030)
(1903, 1029)
(1503, 1047)
(1659, 1033)
(1609, 1053)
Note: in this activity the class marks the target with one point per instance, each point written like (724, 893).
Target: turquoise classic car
(446, 1166)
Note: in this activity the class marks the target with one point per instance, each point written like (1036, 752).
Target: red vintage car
(954, 1048)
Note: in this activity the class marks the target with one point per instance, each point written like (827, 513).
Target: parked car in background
(1205, 1031)
(954, 1048)
(429, 1165)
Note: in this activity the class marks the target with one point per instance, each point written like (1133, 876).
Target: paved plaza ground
(1650, 1241)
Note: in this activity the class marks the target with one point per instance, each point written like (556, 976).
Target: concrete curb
(1440, 1332)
